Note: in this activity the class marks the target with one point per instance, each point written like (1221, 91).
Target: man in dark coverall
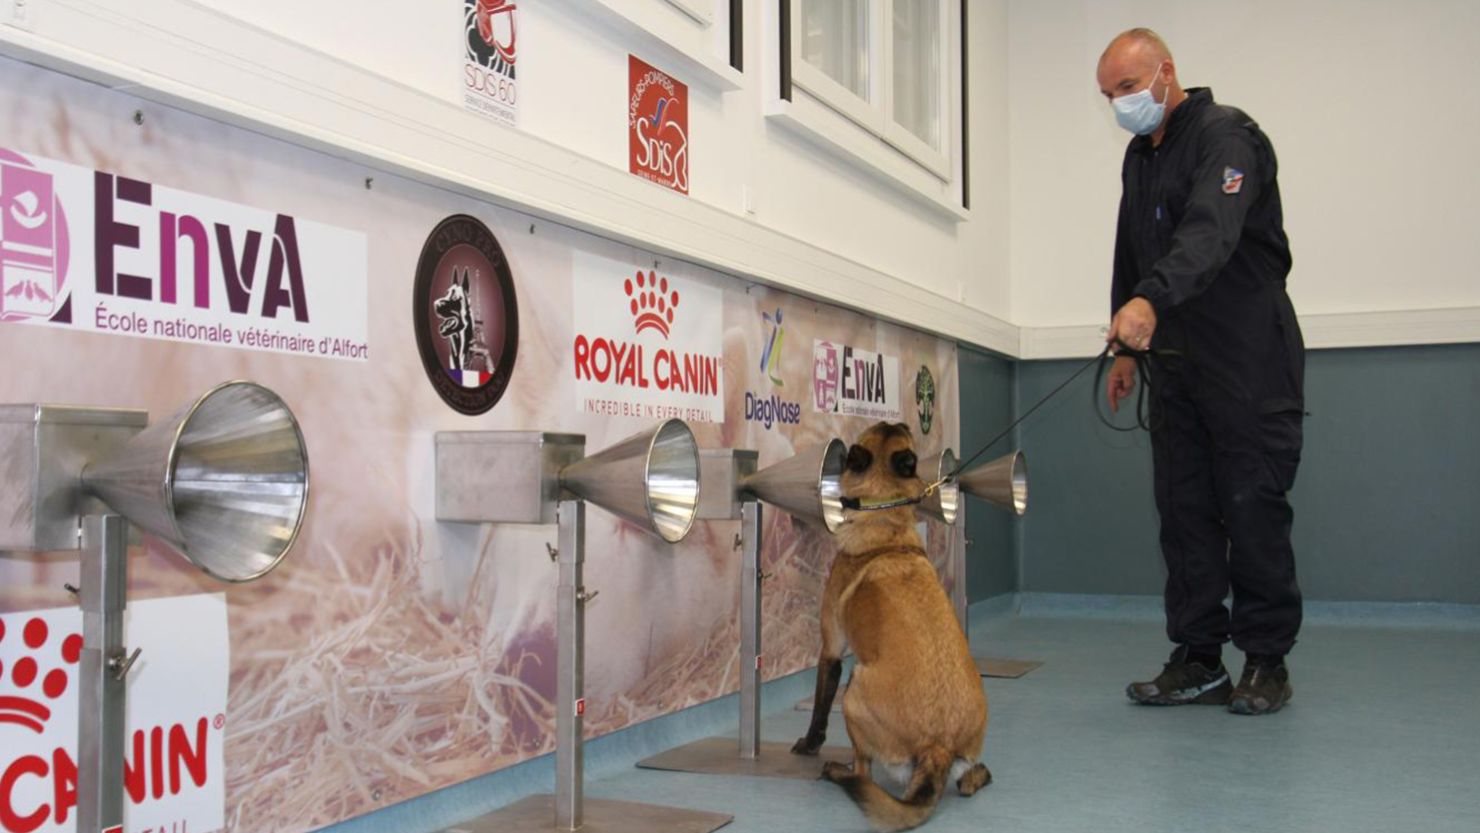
(1199, 278)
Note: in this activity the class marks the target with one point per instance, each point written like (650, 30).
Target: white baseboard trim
(1444, 616)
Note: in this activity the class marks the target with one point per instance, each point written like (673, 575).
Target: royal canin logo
(652, 302)
(28, 711)
(158, 761)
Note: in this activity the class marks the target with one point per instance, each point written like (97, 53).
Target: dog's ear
(859, 459)
(465, 279)
(903, 463)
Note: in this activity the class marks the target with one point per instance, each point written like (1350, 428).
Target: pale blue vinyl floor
(1383, 735)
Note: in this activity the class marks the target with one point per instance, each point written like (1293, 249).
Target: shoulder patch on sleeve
(1233, 180)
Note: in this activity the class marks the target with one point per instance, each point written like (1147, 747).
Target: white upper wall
(1373, 110)
(572, 92)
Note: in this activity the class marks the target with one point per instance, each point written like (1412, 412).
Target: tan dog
(915, 698)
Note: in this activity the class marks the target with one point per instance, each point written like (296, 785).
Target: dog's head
(455, 302)
(881, 465)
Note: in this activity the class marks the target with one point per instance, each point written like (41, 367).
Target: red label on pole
(117, 828)
(580, 707)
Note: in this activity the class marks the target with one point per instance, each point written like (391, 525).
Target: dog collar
(908, 548)
(862, 505)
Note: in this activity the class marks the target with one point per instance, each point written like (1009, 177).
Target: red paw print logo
(24, 707)
(652, 302)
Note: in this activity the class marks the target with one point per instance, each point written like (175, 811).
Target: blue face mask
(1141, 113)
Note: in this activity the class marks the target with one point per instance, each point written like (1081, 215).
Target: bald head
(1136, 60)
(1137, 44)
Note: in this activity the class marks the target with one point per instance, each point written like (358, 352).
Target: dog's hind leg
(838, 773)
(975, 778)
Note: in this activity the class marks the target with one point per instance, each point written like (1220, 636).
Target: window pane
(917, 74)
(835, 40)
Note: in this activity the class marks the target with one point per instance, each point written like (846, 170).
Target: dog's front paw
(835, 772)
(806, 746)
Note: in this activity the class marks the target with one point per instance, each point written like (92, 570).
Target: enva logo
(22, 703)
(34, 245)
(853, 382)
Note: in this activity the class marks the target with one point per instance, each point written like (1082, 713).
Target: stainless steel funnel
(224, 480)
(1003, 481)
(808, 485)
(650, 479)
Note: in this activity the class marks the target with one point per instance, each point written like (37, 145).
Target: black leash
(1156, 418)
(1100, 359)
(1144, 421)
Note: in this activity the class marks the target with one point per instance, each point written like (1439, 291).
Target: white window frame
(702, 11)
(876, 112)
(683, 37)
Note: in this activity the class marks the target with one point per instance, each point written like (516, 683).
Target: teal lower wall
(986, 408)
(1387, 502)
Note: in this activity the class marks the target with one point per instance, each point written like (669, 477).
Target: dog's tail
(887, 813)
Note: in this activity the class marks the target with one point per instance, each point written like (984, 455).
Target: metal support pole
(958, 591)
(750, 629)
(103, 668)
(570, 666)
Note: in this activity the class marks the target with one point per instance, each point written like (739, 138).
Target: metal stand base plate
(1004, 668)
(536, 814)
(719, 756)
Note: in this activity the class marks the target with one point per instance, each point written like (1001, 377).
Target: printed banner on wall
(173, 764)
(103, 253)
(489, 84)
(396, 655)
(646, 344)
(657, 126)
(853, 382)
(771, 404)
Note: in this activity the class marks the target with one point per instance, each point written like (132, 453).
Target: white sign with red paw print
(174, 776)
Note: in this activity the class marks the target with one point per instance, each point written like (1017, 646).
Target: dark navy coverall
(1201, 237)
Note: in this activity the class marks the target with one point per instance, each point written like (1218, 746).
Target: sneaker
(1264, 687)
(1182, 682)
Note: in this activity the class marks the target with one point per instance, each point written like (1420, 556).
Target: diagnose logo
(772, 409)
